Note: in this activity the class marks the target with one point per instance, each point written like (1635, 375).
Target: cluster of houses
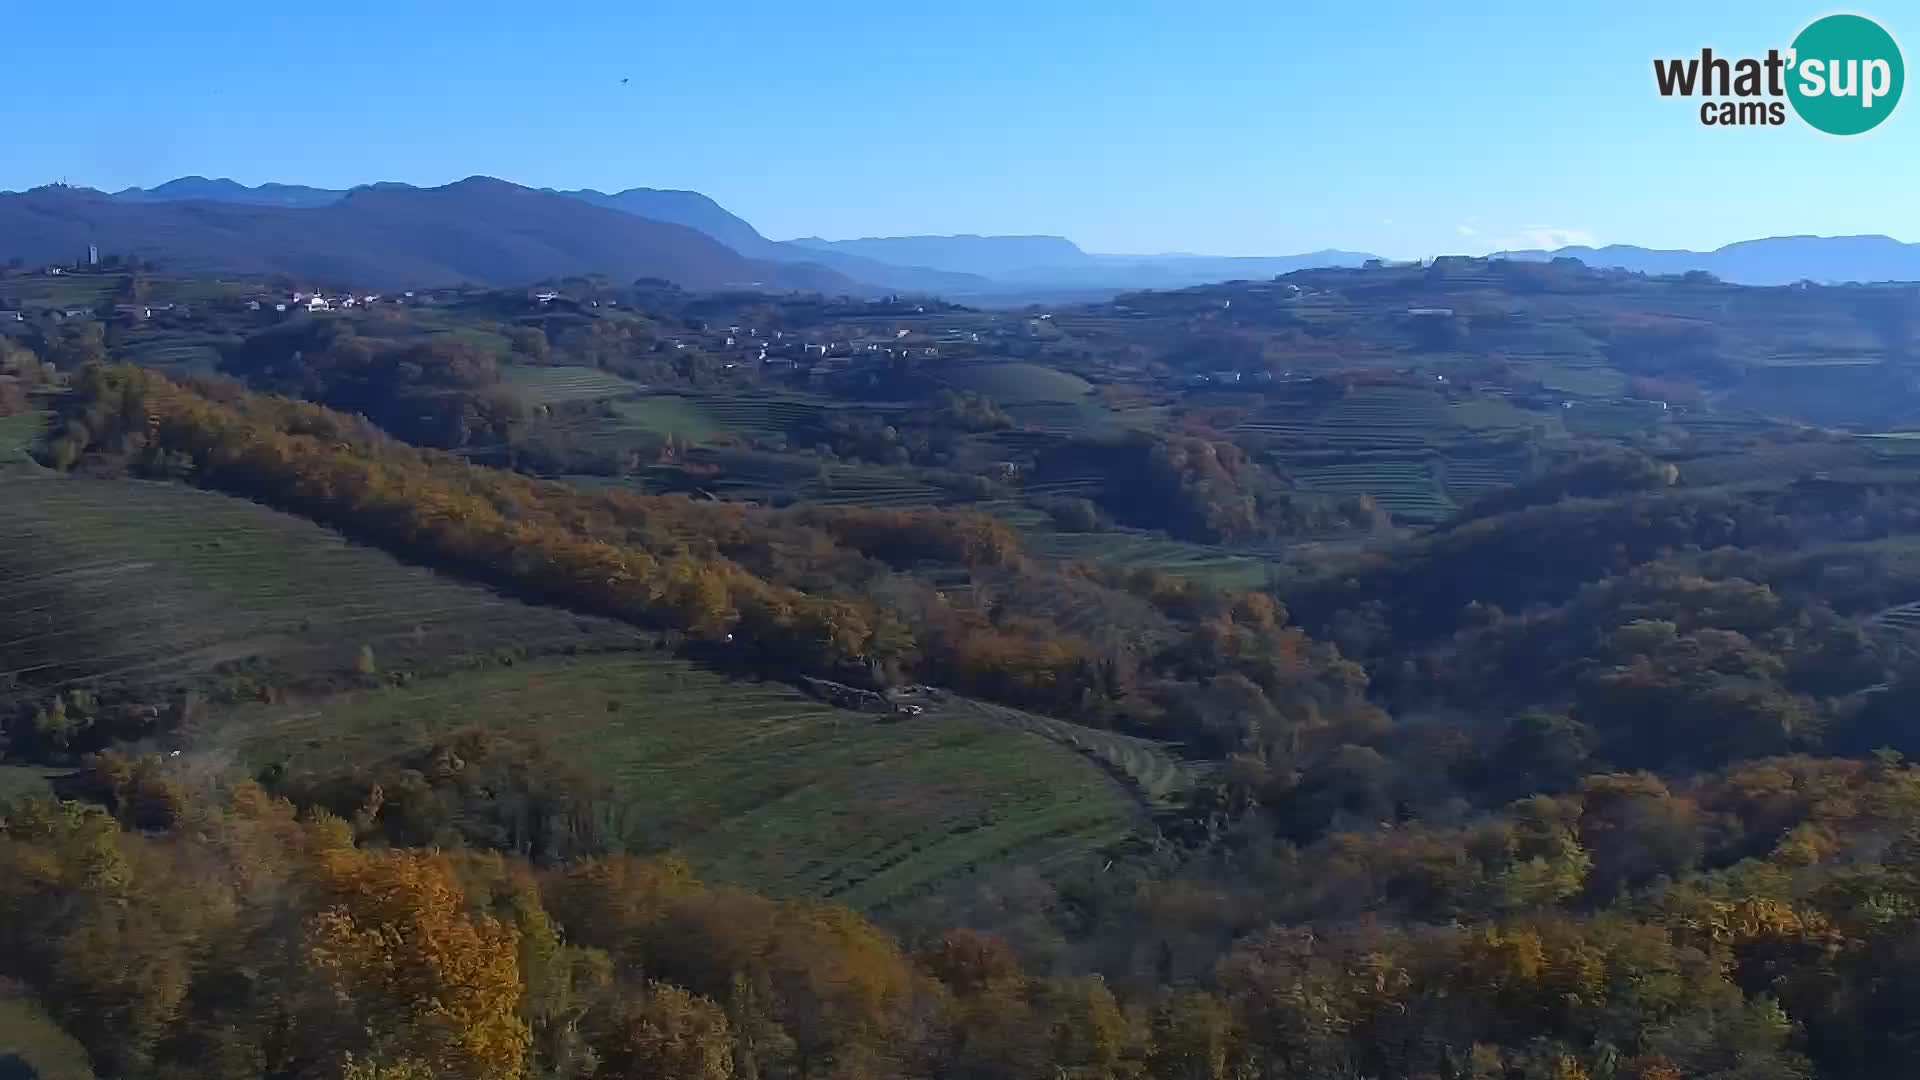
(301, 300)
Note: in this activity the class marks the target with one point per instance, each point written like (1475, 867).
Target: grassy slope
(1015, 383)
(164, 585)
(756, 783)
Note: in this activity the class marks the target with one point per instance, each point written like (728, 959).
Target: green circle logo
(1846, 74)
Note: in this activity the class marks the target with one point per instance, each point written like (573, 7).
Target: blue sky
(1261, 128)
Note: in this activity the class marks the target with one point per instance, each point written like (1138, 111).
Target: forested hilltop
(1476, 670)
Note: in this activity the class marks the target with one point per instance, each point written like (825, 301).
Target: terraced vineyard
(1084, 485)
(764, 415)
(1131, 549)
(173, 352)
(1371, 418)
(558, 385)
(1406, 489)
(1904, 619)
(754, 476)
(1157, 772)
(161, 585)
(1464, 478)
(758, 784)
(853, 485)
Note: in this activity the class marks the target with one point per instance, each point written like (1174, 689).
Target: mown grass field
(161, 585)
(758, 784)
(17, 781)
(1585, 381)
(660, 414)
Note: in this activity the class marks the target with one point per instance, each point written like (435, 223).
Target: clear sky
(1270, 127)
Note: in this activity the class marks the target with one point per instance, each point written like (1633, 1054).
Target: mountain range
(1775, 260)
(479, 230)
(493, 232)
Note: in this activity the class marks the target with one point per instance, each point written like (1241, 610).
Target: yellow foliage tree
(424, 979)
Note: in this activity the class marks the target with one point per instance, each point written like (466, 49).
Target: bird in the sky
(623, 82)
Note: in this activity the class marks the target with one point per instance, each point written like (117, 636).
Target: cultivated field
(165, 586)
(1015, 383)
(559, 385)
(758, 784)
(173, 351)
(1464, 478)
(1135, 550)
(1407, 489)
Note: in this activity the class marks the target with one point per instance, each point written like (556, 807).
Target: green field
(20, 780)
(1583, 381)
(758, 784)
(1016, 383)
(660, 414)
(18, 435)
(161, 585)
(28, 1035)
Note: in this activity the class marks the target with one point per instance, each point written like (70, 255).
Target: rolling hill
(480, 230)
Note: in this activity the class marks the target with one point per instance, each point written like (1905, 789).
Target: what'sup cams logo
(1843, 75)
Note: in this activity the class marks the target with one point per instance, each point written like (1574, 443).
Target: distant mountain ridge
(479, 229)
(968, 266)
(188, 188)
(1773, 260)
